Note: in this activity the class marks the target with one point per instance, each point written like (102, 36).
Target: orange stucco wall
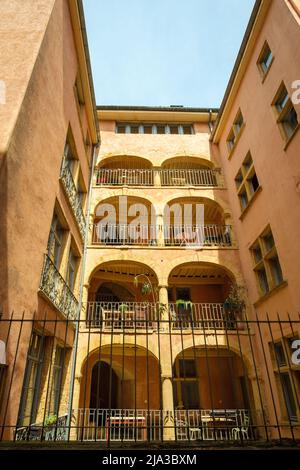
(277, 167)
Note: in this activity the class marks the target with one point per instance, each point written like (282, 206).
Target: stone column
(163, 299)
(160, 230)
(156, 177)
(168, 407)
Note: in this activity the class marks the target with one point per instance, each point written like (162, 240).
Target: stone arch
(187, 162)
(124, 161)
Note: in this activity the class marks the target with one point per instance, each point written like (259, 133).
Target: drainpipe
(210, 125)
(75, 346)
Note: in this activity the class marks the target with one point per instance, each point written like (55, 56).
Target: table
(126, 428)
(118, 319)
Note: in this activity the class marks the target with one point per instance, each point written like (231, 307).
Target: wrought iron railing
(57, 290)
(186, 177)
(164, 177)
(189, 315)
(72, 194)
(123, 234)
(122, 315)
(93, 424)
(150, 235)
(146, 315)
(38, 432)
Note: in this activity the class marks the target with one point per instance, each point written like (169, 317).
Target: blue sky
(164, 52)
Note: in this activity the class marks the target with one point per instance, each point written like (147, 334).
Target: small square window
(257, 254)
(121, 129)
(187, 129)
(161, 129)
(173, 129)
(147, 129)
(263, 281)
(231, 140)
(238, 123)
(134, 129)
(269, 241)
(253, 183)
(279, 354)
(265, 59)
(239, 179)
(290, 122)
(282, 99)
(276, 270)
(243, 199)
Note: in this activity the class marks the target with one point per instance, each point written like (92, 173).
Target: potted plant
(235, 304)
(50, 420)
(123, 308)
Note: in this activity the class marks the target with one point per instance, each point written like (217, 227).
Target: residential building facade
(161, 296)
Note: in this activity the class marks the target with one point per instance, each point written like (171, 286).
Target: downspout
(84, 255)
(210, 125)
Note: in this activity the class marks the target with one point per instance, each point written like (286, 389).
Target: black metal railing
(73, 197)
(154, 379)
(57, 290)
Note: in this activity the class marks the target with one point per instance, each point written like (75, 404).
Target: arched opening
(212, 391)
(196, 295)
(196, 222)
(188, 171)
(122, 295)
(125, 220)
(104, 386)
(119, 392)
(125, 170)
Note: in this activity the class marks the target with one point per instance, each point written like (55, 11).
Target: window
(266, 263)
(287, 377)
(69, 157)
(246, 182)
(31, 385)
(235, 131)
(71, 269)
(285, 112)
(55, 241)
(56, 382)
(265, 60)
(152, 128)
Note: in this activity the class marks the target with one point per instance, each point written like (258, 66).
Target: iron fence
(150, 378)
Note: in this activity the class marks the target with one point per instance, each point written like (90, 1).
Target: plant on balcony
(123, 308)
(147, 289)
(185, 304)
(235, 301)
(50, 420)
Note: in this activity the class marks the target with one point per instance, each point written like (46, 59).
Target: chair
(242, 430)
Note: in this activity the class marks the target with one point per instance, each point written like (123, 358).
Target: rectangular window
(56, 383)
(265, 59)
(31, 385)
(55, 241)
(154, 128)
(246, 182)
(235, 131)
(266, 262)
(285, 112)
(287, 377)
(71, 269)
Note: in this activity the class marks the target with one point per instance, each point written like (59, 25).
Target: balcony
(95, 424)
(73, 197)
(210, 235)
(57, 290)
(118, 316)
(163, 177)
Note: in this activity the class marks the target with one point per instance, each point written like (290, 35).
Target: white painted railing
(122, 315)
(211, 235)
(94, 424)
(150, 177)
(188, 315)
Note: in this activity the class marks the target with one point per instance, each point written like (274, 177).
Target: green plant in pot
(235, 303)
(184, 304)
(50, 420)
(123, 308)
